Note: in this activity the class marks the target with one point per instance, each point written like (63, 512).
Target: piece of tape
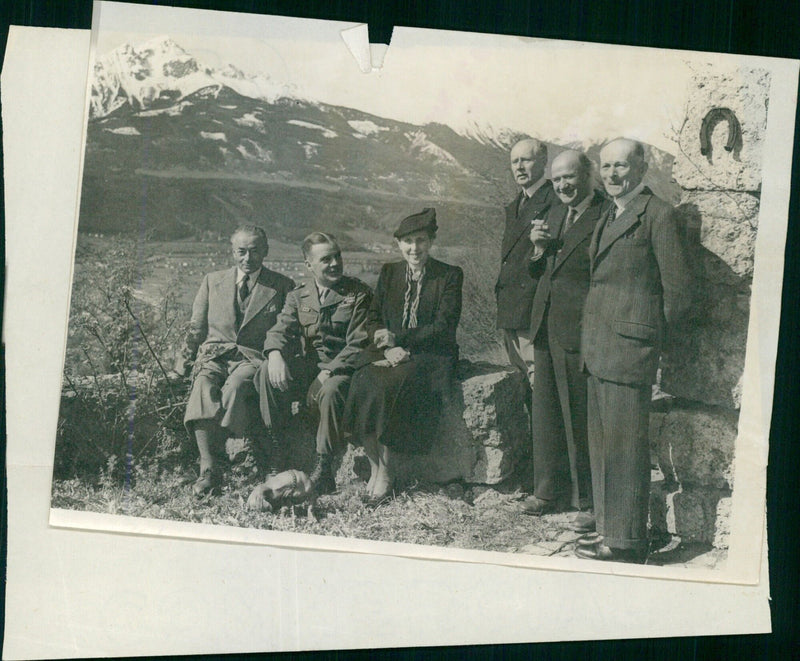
(369, 57)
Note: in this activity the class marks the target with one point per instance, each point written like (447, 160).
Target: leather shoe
(376, 501)
(535, 506)
(583, 522)
(589, 539)
(206, 483)
(602, 552)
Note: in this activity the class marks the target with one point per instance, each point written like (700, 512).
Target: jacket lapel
(556, 223)
(332, 298)
(522, 224)
(580, 230)
(226, 292)
(509, 238)
(261, 295)
(629, 217)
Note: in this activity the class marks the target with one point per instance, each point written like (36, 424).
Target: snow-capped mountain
(159, 72)
(208, 147)
(488, 135)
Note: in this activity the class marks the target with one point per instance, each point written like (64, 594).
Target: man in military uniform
(311, 350)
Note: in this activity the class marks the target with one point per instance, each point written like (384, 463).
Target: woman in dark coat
(395, 398)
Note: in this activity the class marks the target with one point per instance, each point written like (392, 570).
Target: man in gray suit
(231, 314)
(639, 292)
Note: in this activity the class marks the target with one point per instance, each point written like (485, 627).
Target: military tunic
(313, 337)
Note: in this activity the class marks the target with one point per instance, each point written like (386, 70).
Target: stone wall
(694, 436)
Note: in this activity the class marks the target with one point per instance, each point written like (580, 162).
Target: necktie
(613, 212)
(570, 219)
(243, 293)
(522, 204)
(323, 295)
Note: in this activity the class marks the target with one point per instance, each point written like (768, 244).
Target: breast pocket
(308, 319)
(340, 317)
(633, 243)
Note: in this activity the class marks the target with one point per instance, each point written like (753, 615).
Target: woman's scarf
(410, 306)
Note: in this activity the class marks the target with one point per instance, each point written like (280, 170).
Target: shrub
(117, 399)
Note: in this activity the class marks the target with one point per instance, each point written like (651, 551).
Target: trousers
(325, 400)
(558, 424)
(619, 452)
(222, 390)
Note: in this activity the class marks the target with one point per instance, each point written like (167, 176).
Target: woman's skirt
(399, 405)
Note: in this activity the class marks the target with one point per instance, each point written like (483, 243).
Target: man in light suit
(312, 351)
(515, 284)
(638, 295)
(231, 314)
(561, 264)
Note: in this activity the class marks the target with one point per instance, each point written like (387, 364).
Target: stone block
(658, 512)
(695, 445)
(724, 224)
(697, 516)
(745, 92)
(704, 360)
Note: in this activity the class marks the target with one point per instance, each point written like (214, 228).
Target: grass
(159, 487)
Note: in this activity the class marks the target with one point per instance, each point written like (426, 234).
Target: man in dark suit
(312, 352)
(232, 312)
(561, 264)
(515, 285)
(639, 292)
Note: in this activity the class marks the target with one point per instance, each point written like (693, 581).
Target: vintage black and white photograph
(474, 310)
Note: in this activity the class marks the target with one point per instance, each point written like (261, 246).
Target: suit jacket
(640, 287)
(330, 335)
(213, 330)
(563, 274)
(515, 285)
(437, 316)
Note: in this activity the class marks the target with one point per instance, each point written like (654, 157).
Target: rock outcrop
(482, 431)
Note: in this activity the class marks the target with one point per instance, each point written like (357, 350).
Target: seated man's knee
(240, 378)
(206, 383)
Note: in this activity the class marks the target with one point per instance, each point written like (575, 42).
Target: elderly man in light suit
(638, 295)
(231, 314)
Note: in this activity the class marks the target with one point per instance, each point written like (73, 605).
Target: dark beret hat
(424, 220)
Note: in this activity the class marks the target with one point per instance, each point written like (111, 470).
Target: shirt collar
(583, 205)
(252, 277)
(531, 190)
(321, 291)
(623, 200)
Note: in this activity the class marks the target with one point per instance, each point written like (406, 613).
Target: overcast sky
(559, 91)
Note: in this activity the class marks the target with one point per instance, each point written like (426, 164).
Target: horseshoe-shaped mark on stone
(714, 117)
